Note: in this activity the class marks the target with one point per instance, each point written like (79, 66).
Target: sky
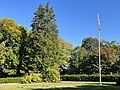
(76, 19)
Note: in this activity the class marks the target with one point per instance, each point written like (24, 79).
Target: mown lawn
(64, 85)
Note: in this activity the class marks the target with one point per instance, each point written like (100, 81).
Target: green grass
(64, 85)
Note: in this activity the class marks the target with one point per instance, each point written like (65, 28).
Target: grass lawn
(64, 85)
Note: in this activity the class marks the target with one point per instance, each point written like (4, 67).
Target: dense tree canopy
(109, 57)
(77, 60)
(10, 34)
(43, 41)
(41, 51)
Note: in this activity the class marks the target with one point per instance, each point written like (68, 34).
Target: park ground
(64, 85)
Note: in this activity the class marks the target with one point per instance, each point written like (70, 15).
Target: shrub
(95, 77)
(34, 77)
(11, 80)
(52, 75)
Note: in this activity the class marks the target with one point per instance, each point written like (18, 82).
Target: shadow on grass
(84, 87)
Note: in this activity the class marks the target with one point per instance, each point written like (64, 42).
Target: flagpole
(99, 49)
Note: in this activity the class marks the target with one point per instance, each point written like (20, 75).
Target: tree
(77, 60)
(89, 43)
(109, 55)
(42, 48)
(10, 33)
(22, 51)
(65, 49)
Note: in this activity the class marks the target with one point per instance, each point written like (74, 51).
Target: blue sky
(76, 19)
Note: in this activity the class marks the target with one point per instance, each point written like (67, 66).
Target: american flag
(98, 22)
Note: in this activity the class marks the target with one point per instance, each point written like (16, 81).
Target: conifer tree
(42, 50)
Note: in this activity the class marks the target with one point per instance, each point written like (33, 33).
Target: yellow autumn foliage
(10, 26)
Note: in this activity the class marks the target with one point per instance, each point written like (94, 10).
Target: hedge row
(105, 78)
(11, 80)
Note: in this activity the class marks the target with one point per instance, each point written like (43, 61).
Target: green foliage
(42, 51)
(85, 61)
(34, 77)
(52, 75)
(89, 43)
(77, 60)
(35, 51)
(94, 77)
(10, 34)
(11, 80)
(22, 51)
(42, 45)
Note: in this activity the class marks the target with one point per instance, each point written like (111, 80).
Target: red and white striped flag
(98, 22)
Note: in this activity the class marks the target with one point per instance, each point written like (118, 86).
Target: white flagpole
(99, 49)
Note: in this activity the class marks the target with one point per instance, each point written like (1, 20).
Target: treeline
(84, 58)
(40, 52)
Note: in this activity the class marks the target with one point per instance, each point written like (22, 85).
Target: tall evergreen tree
(42, 50)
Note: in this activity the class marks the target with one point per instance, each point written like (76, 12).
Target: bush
(52, 75)
(10, 80)
(95, 77)
(32, 78)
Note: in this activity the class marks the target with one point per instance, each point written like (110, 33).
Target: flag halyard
(98, 22)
